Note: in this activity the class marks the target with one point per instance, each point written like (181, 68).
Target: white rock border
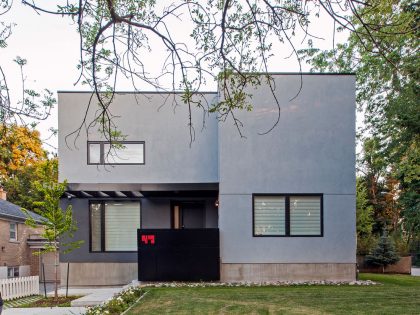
(253, 284)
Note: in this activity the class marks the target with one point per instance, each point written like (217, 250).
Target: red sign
(146, 238)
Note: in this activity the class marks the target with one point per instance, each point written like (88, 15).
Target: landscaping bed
(61, 301)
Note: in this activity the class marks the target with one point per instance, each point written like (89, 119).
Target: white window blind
(124, 153)
(121, 223)
(305, 215)
(95, 226)
(94, 153)
(269, 215)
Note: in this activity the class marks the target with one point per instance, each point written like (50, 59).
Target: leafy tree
(58, 225)
(21, 187)
(20, 146)
(364, 218)
(384, 253)
(229, 41)
(387, 82)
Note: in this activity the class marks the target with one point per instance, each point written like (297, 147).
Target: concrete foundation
(99, 274)
(287, 272)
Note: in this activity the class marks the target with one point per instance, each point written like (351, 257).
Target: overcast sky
(50, 44)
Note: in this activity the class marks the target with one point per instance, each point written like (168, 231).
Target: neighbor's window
(287, 215)
(125, 152)
(113, 225)
(13, 231)
(12, 272)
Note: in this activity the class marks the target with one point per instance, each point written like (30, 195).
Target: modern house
(17, 241)
(283, 202)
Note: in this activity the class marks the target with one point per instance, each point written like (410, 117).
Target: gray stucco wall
(152, 118)
(155, 213)
(311, 150)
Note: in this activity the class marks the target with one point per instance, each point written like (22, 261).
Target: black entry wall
(178, 255)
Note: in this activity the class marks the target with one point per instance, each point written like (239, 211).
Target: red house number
(146, 238)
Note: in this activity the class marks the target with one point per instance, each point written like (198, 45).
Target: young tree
(59, 224)
(384, 253)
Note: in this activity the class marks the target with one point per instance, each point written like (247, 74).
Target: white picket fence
(14, 288)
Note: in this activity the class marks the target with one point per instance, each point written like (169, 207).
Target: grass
(397, 294)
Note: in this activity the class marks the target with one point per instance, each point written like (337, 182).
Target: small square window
(12, 272)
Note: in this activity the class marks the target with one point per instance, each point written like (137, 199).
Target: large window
(287, 215)
(113, 225)
(125, 152)
(13, 231)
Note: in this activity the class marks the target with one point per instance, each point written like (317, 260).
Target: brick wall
(16, 253)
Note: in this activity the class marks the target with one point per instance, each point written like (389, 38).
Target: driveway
(415, 272)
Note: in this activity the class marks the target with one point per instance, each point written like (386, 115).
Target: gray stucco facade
(310, 151)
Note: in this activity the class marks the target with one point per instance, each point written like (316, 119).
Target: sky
(50, 44)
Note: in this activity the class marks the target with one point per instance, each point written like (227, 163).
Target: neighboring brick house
(16, 250)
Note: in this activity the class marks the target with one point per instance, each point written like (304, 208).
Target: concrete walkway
(415, 271)
(45, 311)
(90, 296)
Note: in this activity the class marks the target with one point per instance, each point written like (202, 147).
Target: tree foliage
(228, 41)
(22, 189)
(20, 147)
(387, 80)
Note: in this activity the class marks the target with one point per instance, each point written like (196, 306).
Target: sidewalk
(45, 311)
(90, 296)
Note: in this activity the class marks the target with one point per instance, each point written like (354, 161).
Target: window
(13, 231)
(125, 152)
(287, 215)
(113, 226)
(12, 272)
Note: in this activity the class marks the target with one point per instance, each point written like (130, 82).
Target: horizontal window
(125, 152)
(113, 226)
(287, 215)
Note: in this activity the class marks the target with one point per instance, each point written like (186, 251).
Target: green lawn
(397, 295)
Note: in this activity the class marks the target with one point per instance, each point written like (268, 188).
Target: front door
(188, 215)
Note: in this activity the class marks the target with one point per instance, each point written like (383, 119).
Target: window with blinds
(269, 215)
(287, 215)
(121, 223)
(95, 227)
(113, 225)
(305, 215)
(123, 152)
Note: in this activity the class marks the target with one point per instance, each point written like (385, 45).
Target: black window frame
(102, 203)
(102, 152)
(287, 214)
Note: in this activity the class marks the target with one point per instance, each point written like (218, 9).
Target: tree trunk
(383, 268)
(56, 274)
